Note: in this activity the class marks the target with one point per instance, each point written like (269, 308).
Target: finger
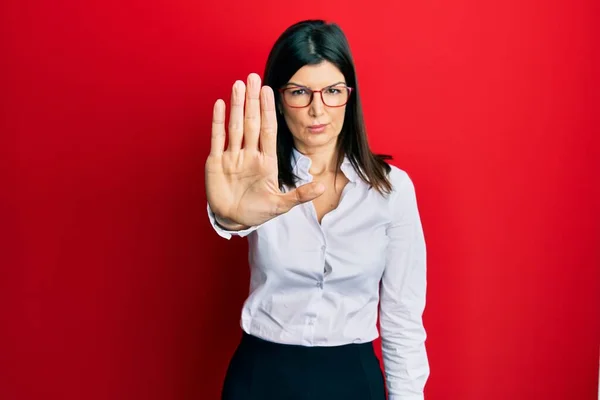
(302, 194)
(217, 138)
(268, 122)
(252, 114)
(236, 116)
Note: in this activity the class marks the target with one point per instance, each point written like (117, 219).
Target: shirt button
(320, 285)
(323, 248)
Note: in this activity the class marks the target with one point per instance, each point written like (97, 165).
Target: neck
(323, 160)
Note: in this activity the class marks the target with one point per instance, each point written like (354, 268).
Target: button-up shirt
(322, 284)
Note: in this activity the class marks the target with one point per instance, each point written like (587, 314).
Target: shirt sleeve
(224, 233)
(402, 298)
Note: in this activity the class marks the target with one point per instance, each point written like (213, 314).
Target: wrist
(228, 224)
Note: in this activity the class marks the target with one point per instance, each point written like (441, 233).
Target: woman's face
(317, 126)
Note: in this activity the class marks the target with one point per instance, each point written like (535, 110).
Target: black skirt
(265, 370)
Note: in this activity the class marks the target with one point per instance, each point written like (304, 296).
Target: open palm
(242, 182)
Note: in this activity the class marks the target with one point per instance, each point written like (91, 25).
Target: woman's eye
(298, 92)
(333, 91)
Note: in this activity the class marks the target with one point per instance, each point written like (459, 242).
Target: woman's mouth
(317, 128)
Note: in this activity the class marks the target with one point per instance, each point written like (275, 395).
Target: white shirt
(321, 284)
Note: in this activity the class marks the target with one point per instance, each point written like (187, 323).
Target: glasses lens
(297, 97)
(335, 96)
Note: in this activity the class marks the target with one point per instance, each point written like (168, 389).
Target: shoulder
(399, 178)
(402, 201)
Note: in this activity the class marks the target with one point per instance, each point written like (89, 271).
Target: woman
(334, 233)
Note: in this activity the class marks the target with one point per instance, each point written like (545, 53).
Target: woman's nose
(316, 106)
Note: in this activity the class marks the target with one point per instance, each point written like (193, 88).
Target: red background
(113, 285)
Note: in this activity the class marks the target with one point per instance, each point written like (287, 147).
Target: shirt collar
(301, 166)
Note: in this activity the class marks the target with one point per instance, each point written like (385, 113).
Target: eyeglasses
(336, 95)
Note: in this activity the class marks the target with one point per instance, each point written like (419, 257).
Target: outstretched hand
(242, 182)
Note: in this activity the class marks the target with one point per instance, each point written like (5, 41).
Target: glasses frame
(312, 94)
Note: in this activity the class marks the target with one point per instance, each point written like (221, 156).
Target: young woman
(334, 232)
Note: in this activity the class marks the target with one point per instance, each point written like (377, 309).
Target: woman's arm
(227, 229)
(402, 298)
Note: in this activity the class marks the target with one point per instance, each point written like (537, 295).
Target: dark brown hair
(311, 42)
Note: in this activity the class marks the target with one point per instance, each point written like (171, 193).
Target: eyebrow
(308, 87)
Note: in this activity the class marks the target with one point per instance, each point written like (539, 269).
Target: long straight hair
(311, 42)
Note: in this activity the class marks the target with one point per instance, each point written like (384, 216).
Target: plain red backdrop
(113, 285)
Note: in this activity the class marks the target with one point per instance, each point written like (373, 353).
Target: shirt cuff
(411, 397)
(224, 233)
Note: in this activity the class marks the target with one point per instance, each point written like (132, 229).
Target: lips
(317, 128)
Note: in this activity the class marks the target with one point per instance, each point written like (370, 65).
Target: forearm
(405, 358)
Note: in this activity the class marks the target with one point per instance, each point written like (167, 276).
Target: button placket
(324, 263)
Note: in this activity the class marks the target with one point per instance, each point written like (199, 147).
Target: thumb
(302, 194)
